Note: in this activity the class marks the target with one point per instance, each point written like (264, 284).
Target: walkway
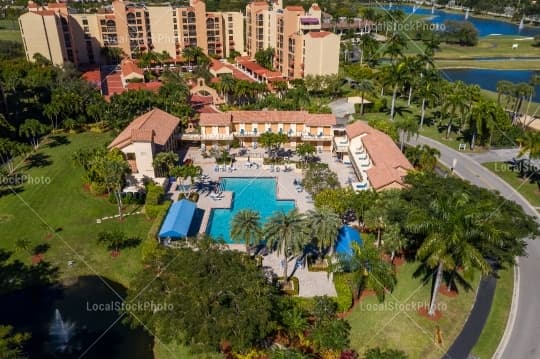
(523, 342)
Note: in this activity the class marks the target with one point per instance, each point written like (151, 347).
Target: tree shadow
(37, 160)
(40, 248)
(58, 140)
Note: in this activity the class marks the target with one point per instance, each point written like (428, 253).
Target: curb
(511, 317)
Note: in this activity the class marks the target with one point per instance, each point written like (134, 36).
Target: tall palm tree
(503, 88)
(364, 86)
(285, 233)
(323, 224)
(428, 83)
(534, 81)
(399, 74)
(246, 227)
(455, 103)
(368, 47)
(454, 228)
(407, 127)
(483, 118)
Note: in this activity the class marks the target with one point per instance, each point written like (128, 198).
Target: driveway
(523, 341)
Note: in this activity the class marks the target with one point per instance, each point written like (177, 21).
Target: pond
(67, 321)
(485, 26)
(488, 78)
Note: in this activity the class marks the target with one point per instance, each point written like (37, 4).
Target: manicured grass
(11, 35)
(498, 316)
(168, 351)
(61, 202)
(397, 324)
(526, 188)
(490, 46)
(496, 65)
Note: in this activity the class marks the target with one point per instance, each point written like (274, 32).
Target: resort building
(376, 159)
(60, 35)
(219, 129)
(147, 135)
(301, 47)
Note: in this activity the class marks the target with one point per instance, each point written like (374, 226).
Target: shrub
(194, 197)
(344, 292)
(97, 188)
(112, 198)
(154, 210)
(154, 194)
(295, 283)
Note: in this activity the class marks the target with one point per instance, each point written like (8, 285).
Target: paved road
(524, 341)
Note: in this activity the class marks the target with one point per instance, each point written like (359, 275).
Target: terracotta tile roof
(142, 135)
(268, 117)
(318, 34)
(151, 86)
(294, 8)
(216, 119)
(53, 5)
(129, 67)
(207, 109)
(258, 3)
(201, 100)
(93, 77)
(156, 125)
(389, 165)
(216, 65)
(45, 12)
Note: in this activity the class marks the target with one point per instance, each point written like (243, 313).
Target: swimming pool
(258, 194)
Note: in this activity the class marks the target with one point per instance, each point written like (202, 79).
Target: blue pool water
(485, 26)
(487, 79)
(258, 194)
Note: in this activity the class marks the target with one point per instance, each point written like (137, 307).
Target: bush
(97, 188)
(154, 194)
(344, 292)
(154, 210)
(296, 285)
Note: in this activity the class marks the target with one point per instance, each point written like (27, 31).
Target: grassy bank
(57, 199)
(498, 316)
(397, 324)
(490, 46)
(525, 187)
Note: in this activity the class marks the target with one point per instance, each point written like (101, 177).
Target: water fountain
(522, 24)
(414, 9)
(467, 14)
(60, 332)
(433, 9)
(390, 6)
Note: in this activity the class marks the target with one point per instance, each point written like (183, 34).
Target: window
(138, 14)
(85, 21)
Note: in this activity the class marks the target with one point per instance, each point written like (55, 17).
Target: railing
(308, 137)
(199, 137)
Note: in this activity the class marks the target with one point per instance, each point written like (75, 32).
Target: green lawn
(62, 203)
(498, 316)
(490, 46)
(525, 187)
(11, 35)
(496, 65)
(397, 324)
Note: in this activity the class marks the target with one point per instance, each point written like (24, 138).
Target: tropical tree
(272, 141)
(503, 88)
(296, 323)
(265, 58)
(398, 73)
(394, 240)
(285, 233)
(407, 127)
(368, 47)
(305, 150)
(427, 90)
(33, 130)
(193, 53)
(11, 342)
(246, 227)
(423, 157)
(115, 240)
(164, 162)
(454, 228)
(364, 86)
(323, 226)
(112, 170)
(529, 144)
(534, 81)
(485, 116)
(455, 103)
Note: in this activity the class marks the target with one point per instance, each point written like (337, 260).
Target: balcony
(200, 137)
(319, 137)
(341, 144)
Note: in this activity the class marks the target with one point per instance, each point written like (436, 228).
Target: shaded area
(89, 306)
(470, 333)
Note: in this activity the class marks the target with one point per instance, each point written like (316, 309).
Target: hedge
(344, 293)
(150, 243)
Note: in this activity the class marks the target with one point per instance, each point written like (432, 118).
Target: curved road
(524, 338)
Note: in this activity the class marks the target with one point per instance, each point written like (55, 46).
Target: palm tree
(165, 162)
(429, 81)
(530, 143)
(534, 81)
(483, 118)
(305, 150)
(503, 88)
(32, 129)
(407, 127)
(323, 224)
(399, 73)
(455, 103)
(454, 228)
(368, 46)
(284, 232)
(394, 241)
(295, 322)
(364, 86)
(246, 227)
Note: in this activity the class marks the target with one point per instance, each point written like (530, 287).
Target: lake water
(487, 79)
(38, 311)
(485, 26)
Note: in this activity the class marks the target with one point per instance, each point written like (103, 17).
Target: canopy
(346, 236)
(178, 220)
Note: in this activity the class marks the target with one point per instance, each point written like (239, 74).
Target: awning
(178, 220)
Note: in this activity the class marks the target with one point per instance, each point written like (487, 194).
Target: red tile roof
(315, 7)
(294, 8)
(152, 86)
(156, 125)
(389, 165)
(318, 34)
(268, 117)
(93, 77)
(45, 12)
(129, 67)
